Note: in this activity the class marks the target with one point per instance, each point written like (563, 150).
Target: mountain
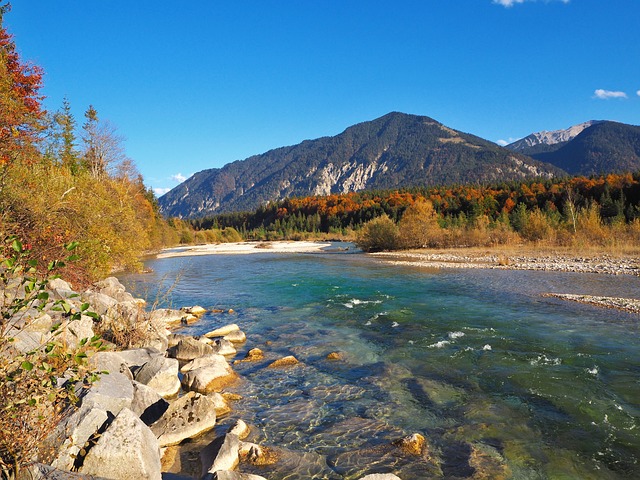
(604, 147)
(548, 141)
(394, 151)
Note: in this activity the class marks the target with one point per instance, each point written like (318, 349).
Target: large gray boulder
(76, 431)
(212, 376)
(187, 417)
(112, 392)
(161, 374)
(136, 357)
(110, 362)
(100, 303)
(113, 288)
(127, 450)
(221, 454)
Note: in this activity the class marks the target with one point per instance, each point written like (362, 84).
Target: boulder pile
(167, 390)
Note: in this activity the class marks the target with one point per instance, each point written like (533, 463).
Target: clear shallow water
(499, 379)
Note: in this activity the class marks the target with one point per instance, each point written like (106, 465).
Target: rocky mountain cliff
(393, 151)
(545, 141)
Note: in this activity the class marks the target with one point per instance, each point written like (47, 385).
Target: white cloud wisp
(608, 94)
(511, 3)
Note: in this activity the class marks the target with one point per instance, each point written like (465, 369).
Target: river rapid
(498, 378)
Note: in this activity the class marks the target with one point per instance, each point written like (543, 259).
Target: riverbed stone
(240, 428)
(213, 376)
(411, 444)
(284, 362)
(161, 374)
(220, 403)
(187, 417)
(127, 450)
(221, 454)
(236, 337)
(189, 348)
(222, 331)
(223, 346)
(196, 310)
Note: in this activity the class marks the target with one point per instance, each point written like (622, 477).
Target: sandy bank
(257, 247)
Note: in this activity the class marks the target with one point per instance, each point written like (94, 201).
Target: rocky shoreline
(170, 389)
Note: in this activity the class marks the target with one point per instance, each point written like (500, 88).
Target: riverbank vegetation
(63, 182)
(599, 211)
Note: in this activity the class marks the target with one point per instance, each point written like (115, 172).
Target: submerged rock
(284, 362)
(411, 444)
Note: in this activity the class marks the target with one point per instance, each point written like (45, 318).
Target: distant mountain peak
(550, 138)
(396, 150)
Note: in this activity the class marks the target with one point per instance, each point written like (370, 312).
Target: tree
(20, 102)
(419, 225)
(378, 234)
(103, 147)
(66, 125)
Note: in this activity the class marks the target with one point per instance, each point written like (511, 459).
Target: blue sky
(200, 83)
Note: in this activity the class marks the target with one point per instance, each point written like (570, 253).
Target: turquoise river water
(503, 383)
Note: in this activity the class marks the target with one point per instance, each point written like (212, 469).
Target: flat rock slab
(127, 450)
(187, 417)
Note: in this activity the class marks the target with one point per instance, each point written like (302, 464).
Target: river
(494, 375)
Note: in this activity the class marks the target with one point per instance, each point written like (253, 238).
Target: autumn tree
(419, 225)
(378, 234)
(20, 102)
(103, 147)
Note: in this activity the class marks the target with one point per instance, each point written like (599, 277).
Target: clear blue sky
(200, 83)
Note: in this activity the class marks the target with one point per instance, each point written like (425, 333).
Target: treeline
(502, 210)
(61, 182)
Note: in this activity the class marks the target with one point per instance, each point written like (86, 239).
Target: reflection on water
(502, 382)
